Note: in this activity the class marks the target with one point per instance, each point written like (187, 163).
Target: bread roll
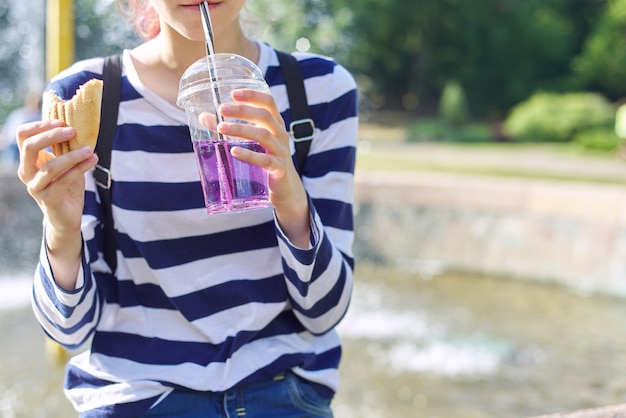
(82, 112)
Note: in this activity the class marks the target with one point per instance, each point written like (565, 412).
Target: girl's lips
(196, 5)
(193, 7)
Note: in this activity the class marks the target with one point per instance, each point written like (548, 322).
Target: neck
(177, 53)
(161, 61)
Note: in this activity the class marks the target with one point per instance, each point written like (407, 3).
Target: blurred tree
(283, 24)
(8, 50)
(21, 54)
(453, 103)
(500, 50)
(504, 51)
(100, 30)
(280, 25)
(401, 52)
(602, 64)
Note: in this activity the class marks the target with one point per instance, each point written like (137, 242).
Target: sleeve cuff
(303, 255)
(67, 297)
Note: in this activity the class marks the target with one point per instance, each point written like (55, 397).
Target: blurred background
(490, 205)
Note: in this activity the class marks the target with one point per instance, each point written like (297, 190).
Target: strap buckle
(305, 130)
(102, 176)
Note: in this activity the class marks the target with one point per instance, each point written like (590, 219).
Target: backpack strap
(302, 127)
(112, 80)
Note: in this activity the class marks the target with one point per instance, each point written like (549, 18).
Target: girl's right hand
(57, 184)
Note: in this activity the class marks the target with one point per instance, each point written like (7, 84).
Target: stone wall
(615, 411)
(567, 233)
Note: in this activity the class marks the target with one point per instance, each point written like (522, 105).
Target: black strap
(112, 80)
(302, 127)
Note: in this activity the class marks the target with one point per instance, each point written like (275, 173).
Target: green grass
(408, 166)
(407, 158)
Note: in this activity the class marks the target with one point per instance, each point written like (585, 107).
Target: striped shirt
(203, 302)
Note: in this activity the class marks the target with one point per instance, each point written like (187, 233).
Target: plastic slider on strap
(102, 176)
(302, 130)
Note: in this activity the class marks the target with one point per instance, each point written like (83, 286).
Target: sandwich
(82, 112)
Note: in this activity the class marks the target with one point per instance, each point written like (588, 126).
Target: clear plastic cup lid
(229, 68)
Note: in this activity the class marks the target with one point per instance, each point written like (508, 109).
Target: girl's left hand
(287, 192)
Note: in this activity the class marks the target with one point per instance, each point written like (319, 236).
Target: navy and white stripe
(204, 302)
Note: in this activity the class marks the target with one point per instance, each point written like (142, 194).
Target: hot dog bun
(82, 112)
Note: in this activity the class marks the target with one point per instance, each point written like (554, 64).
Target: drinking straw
(223, 164)
(210, 53)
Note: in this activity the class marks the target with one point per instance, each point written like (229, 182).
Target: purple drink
(230, 185)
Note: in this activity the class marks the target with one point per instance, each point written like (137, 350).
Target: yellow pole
(59, 36)
(59, 56)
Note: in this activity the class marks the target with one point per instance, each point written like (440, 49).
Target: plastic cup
(229, 185)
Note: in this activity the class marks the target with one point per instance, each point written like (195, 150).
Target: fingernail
(226, 108)
(235, 151)
(68, 131)
(86, 150)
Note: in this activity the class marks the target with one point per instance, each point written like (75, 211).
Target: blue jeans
(286, 396)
